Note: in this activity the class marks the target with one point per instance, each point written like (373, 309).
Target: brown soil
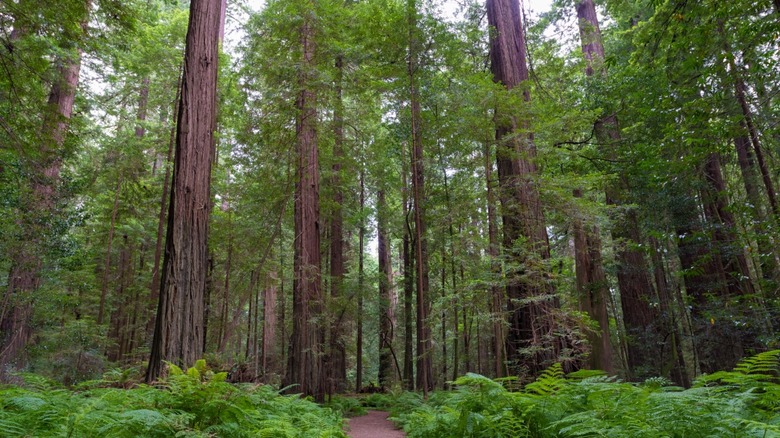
(373, 425)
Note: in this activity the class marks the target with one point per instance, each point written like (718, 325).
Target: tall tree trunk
(634, 282)
(424, 347)
(723, 344)
(593, 290)
(496, 293)
(386, 310)
(26, 255)
(670, 321)
(154, 286)
(748, 122)
(269, 325)
(224, 326)
(444, 315)
(305, 361)
(179, 327)
(408, 278)
(361, 243)
(107, 263)
(531, 339)
(338, 354)
(591, 280)
(767, 260)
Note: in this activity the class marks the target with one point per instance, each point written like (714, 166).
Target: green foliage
(742, 402)
(194, 403)
(346, 406)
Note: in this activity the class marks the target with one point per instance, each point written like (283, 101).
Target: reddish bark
(530, 341)
(338, 355)
(305, 361)
(179, 327)
(386, 308)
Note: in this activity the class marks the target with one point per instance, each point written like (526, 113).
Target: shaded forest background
(397, 196)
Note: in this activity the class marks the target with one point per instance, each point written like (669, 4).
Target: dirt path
(373, 425)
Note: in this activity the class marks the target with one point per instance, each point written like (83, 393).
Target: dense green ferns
(195, 403)
(740, 403)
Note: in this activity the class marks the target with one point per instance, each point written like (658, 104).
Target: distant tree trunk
(408, 278)
(636, 288)
(496, 293)
(154, 286)
(593, 290)
(143, 103)
(591, 280)
(386, 310)
(269, 325)
(107, 263)
(424, 347)
(530, 342)
(767, 261)
(670, 320)
(305, 361)
(454, 278)
(338, 354)
(224, 325)
(723, 344)
(179, 327)
(444, 315)
(361, 244)
(26, 255)
(754, 140)
(121, 316)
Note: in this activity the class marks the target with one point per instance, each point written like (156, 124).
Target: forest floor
(373, 425)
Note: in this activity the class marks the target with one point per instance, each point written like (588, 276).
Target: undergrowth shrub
(346, 406)
(191, 403)
(744, 402)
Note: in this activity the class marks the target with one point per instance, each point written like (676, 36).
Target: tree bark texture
(338, 353)
(591, 281)
(496, 293)
(361, 281)
(424, 342)
(154, 286)
(531, 298)
(408, 266)
(386, 309)
(593, 290)
(179, 327)
(305, 361)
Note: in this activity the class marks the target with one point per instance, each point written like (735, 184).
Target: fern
(191, 403)
(550, 381)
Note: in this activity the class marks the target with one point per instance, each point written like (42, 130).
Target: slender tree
(424, 350)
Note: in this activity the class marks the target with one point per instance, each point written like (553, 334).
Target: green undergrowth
(741, 403)
(191, 403)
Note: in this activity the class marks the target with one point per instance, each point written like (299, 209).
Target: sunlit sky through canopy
(235, 33)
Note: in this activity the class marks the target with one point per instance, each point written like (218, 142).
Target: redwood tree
(41, 197)
(304, 366)
(531, 300)
(179, 327)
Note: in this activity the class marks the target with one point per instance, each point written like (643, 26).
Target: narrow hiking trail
(373, 425)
